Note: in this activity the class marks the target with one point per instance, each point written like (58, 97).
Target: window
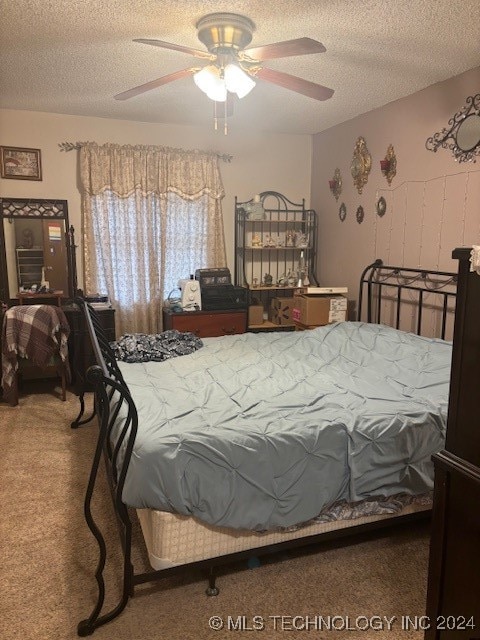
(152, 216)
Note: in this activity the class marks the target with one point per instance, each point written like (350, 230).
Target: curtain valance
(124, 169)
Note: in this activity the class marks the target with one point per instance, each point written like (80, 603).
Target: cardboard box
(317, 310)
(280, 311)
(255, 314)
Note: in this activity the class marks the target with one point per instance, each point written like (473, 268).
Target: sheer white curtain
(151, 216)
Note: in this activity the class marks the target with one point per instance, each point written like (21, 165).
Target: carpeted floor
(49, 558)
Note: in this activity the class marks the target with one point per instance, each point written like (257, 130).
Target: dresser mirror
(36, 248)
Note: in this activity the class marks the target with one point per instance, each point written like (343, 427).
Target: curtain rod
(70, 146)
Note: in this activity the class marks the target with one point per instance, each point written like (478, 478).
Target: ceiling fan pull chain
(225, 125)
(215, 120)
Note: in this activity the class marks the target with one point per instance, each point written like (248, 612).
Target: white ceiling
(73, 56)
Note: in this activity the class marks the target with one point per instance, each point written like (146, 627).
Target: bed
(257, 441)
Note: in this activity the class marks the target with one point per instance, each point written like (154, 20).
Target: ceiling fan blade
(153, 84)
(285, 80)
(198, 53)
(298, 47)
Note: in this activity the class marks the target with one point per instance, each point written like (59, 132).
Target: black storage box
(223, 297)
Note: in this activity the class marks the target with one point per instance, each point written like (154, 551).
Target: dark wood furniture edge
(446, 465)
(453, 561)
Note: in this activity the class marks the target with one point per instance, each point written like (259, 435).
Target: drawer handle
(229, 332)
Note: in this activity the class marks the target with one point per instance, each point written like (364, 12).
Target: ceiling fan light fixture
(215, 84)
(211, 83)
(237, 81)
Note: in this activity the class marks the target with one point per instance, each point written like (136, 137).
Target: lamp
(215, 82)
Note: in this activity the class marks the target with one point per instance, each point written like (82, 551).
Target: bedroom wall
(433, 203)
(260, 162)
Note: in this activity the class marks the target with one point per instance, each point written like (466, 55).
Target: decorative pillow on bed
(141, 347)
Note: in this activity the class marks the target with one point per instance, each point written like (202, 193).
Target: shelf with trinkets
(275, 248)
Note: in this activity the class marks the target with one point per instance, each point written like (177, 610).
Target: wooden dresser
(79, 346)
(453, 601)
(205, 324)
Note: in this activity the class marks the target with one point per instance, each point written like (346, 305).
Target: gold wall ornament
(361, 164)
(336, 184)
(389, 165)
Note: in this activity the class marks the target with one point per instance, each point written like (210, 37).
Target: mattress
(261, 431)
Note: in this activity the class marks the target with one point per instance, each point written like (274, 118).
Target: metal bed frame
(377, 277)
(112, 396)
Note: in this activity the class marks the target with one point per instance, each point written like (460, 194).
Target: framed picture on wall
(19, 163)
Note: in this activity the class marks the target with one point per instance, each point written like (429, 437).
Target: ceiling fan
(232, 69)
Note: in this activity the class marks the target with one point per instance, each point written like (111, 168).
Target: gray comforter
(260, 431)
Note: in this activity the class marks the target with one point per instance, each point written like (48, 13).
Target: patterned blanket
(155, 347)
(36, 332)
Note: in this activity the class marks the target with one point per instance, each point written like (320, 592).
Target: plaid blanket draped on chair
(38, 333)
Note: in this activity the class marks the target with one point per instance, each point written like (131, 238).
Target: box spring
(173, 539)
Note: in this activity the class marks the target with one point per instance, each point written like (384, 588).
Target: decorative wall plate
(381, 206)
(360, 214)
(342, 212)
(361, 164)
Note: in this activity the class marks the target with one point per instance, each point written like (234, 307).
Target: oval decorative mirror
(360, 215)
(463, 136)
(381, 206)
(468, 133)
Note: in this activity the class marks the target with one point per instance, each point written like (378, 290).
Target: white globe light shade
(237, 81)
(209, 81)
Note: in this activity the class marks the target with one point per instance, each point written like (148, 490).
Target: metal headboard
(382, 280)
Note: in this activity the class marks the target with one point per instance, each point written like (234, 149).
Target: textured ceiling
(73, 56)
